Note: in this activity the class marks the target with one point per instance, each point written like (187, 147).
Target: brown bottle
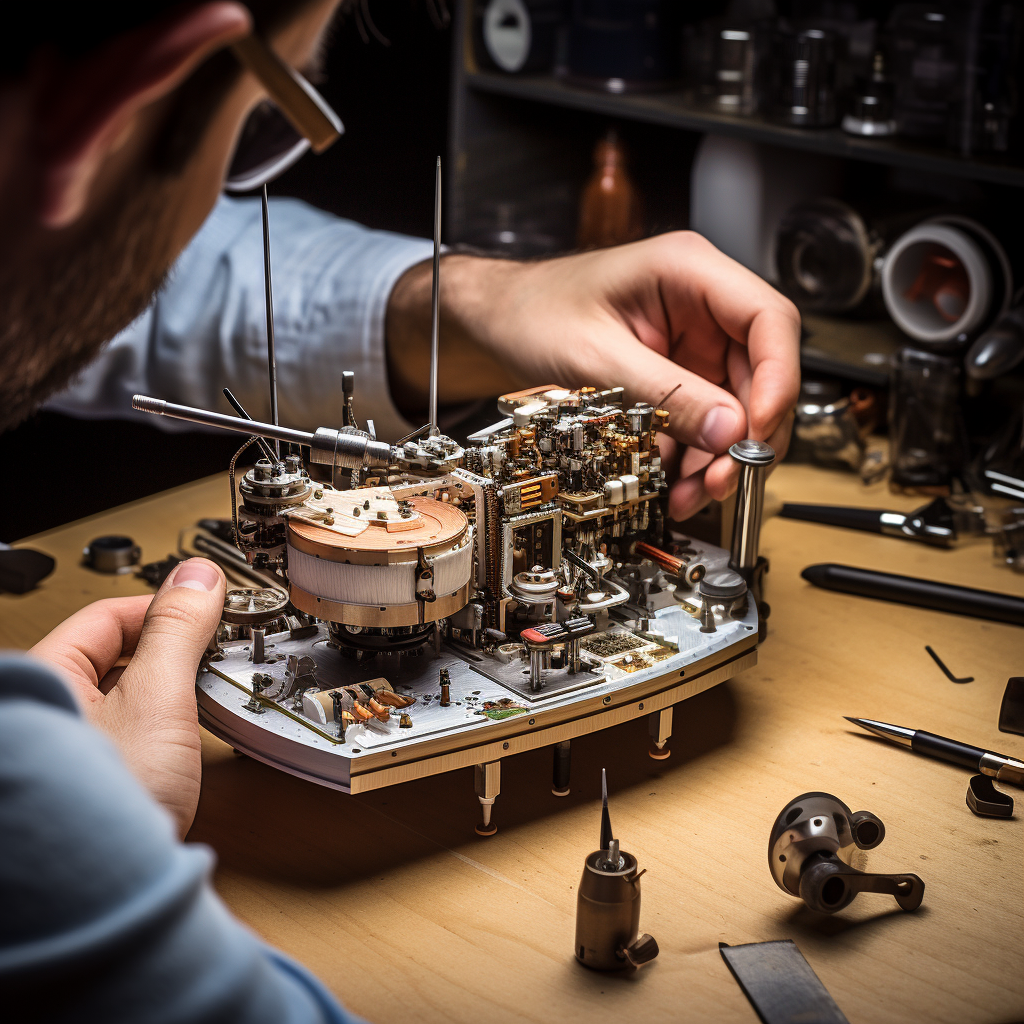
(610, 209)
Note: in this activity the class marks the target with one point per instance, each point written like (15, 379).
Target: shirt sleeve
(206, 327)
(106, 916)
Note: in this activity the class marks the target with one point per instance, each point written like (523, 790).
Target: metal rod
(157, 406)
(237, 406)
(754, 458)
(434, 300)
(269, 287)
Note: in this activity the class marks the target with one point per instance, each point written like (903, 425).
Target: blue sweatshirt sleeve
(206, 327)
(104, 915)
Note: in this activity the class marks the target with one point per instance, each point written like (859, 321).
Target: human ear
(90, 106)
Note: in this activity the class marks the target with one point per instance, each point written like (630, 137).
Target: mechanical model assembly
(811, 850)
(415, 608)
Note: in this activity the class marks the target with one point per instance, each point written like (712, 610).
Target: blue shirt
(206, 328)
(104, 915)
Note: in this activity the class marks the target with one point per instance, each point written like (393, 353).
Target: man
(117, 124)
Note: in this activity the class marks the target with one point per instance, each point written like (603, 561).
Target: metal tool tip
(604, 785)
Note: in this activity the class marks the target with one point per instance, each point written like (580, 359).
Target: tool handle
(945, 597)
(869, 519)
(946, 749)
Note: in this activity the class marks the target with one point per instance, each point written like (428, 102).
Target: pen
(944, 597)
(999, 766)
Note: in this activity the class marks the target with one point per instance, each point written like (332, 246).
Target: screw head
(753, 453)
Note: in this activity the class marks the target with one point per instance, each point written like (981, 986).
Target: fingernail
(720, 427)
(196, 575)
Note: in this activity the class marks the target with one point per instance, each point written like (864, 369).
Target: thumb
(179, 624)
(152, 710)
(155, 695)
(701, 413)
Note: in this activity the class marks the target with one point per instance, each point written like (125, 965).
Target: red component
(534, 636)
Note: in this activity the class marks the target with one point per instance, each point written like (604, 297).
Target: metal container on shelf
(805, 93)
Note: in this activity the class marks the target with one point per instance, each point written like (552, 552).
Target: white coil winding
(383, 586)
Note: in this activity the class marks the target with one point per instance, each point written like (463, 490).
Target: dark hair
(73, 28)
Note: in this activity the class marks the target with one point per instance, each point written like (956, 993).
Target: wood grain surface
(408, 916)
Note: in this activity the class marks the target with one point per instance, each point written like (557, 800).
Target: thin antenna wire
(434, 304)
(237, 406)
(271, 353)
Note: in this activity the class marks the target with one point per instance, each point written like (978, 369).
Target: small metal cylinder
(536, 668)
(607, 912)
(258, 652)
(754, 458)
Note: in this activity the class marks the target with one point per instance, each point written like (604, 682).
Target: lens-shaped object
(945, 279)
(824, 256)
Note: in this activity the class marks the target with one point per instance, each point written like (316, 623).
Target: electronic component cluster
(417, 597)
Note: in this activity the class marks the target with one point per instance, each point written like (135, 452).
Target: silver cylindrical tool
(347, 450)
(754, 458)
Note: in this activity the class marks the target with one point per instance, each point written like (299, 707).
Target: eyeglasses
(295, 118)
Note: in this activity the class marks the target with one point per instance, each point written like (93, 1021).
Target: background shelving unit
(521, 148)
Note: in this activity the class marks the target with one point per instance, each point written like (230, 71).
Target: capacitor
(641, 417)
(608, 905)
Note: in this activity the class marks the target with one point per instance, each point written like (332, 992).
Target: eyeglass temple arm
(298, 100)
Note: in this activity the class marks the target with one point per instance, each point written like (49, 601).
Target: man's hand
(149, 710)
(673, 320)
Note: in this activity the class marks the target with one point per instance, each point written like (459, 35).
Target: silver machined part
(538, 586)
(258, 647)
(249, 606)
(266, 487)
(346, 450)
(754, 458)
(538, 656)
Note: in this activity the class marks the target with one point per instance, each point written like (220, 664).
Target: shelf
(676, 109)
(855, 350)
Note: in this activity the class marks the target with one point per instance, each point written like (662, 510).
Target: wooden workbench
(408, 916)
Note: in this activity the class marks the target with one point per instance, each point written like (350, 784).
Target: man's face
(69, 291)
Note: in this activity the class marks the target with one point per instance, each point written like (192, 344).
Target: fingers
(86, 646)
(695, 274)
(701, 414)
(178, 626)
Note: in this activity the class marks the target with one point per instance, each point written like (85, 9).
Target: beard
(61, 311)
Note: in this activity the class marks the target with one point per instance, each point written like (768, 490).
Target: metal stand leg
(562, 764)
(487, 781)
(660, 727)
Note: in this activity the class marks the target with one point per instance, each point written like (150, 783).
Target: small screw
(608, 700)
(318, 494)
(504, 746)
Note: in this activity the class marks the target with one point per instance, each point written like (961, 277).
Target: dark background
(393, 101)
